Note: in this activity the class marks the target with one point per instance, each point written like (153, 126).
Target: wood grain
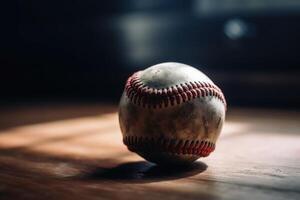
(75, 152)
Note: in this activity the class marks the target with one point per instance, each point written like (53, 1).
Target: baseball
(171, 113)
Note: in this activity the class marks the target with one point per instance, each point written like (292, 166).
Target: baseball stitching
(191, 147)
(142, 95)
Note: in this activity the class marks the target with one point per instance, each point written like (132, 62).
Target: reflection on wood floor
(76, 152)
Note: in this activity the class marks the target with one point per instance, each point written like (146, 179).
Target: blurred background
(84, 50)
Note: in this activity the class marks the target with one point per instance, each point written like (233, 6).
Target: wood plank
(76, 152)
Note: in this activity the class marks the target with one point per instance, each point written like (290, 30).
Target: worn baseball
(171, 113)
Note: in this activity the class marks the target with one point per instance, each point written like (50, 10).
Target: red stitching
(142, 95)
(193, 147)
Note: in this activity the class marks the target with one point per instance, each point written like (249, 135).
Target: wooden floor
(75, 152)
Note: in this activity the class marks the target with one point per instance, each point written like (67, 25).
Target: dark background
(84, 50)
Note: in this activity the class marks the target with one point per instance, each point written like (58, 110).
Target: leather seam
(147, 97)
(200, 148)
